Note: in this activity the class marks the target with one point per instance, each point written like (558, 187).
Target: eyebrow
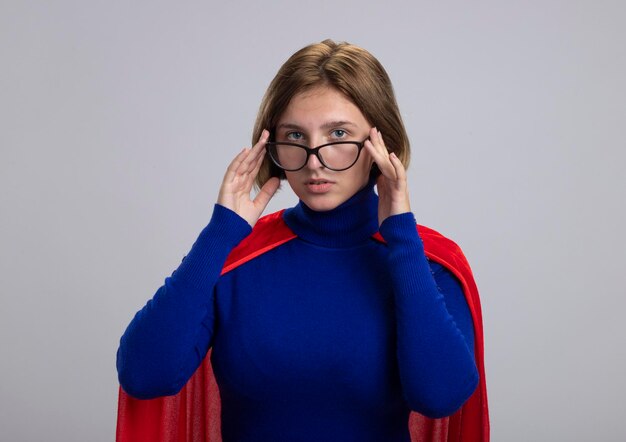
(326, 125)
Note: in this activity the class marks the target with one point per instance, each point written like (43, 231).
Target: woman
(332, 320)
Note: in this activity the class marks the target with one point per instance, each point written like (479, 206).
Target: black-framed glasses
(337, 156)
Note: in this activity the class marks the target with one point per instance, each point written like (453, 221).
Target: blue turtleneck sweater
(330, 336)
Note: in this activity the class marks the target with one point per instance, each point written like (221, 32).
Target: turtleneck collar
(349, 224)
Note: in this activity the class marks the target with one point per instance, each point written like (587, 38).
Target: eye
(294, 136)
(338, 133)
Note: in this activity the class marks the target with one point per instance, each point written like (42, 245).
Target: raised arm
(168, 338)
(435, 349)
(434, 326)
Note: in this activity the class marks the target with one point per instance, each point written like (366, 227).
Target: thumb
(266, 193)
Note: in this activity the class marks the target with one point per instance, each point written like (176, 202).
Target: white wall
(117, 120)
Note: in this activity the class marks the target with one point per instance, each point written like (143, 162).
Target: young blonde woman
(334, 320)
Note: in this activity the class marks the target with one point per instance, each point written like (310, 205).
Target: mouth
(319, 185)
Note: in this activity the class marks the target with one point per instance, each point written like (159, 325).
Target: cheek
(295, 183)
(365, 164)
(290, 178)
(368, 159)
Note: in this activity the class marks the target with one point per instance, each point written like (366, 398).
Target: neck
(349, 224)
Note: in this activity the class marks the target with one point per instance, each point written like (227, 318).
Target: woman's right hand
(239, 179)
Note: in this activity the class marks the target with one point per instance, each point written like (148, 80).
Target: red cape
(193, 415)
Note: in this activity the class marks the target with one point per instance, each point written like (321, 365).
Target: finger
(383, 148)
(259, 146)
(399, 169)
(247, 163)
(255, 166)
(234, 164)
(257, 150)
(231, 170)
(398, 166)
(375, 146)
(256, 162)
(266, 193)
(259, 162)
(381, 154)
(251, 176)
(381, 159)
(388, 155)
(378, 141)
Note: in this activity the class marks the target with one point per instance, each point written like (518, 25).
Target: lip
(319, 185)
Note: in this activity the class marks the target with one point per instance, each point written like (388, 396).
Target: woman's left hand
(393, 191)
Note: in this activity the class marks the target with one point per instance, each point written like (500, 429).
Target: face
(319, 116)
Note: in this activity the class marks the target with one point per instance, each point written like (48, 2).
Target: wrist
(399, 228)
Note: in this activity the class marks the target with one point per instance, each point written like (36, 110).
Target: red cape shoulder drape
(193, 415)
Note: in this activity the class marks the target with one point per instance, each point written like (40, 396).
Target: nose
(313, 162)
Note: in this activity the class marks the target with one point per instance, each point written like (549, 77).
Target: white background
(117, 120)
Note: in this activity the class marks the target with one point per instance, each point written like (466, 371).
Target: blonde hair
(349, 69)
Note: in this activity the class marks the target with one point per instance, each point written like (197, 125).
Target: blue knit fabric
(331, 336)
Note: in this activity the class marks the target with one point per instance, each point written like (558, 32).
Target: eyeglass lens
(333, 156)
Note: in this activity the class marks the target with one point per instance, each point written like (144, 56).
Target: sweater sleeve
(168, 338)
(434, 347)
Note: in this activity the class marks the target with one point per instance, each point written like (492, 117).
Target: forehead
(316, 107)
